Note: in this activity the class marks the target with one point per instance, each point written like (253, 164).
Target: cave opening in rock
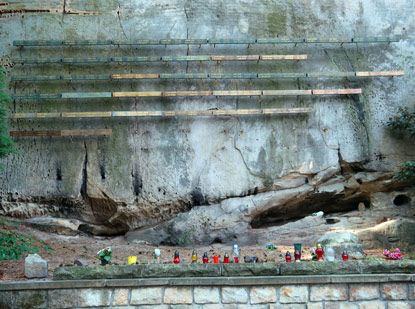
(401, 199)
(293, 211)
(217, 240)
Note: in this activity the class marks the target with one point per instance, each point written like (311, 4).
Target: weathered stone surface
(206, 295)
(94, 297)
(294, 294)
(152, 307)
(390, 234)
(250, 306)
(146, 296)
(399, 305)
(341, 242)
(23, 299)
(35, 267)
(372, 305)
(178, 296)
(234, 270)
(137, 271)
(234, 295)
(363, 292)
(411, 291)
(58, 299)
(115, 184)
(263, 295)
(120, 297)
(331, 292)
(315, 306)
(98, 272)
(318, 268)
(291, 306)
(257, 269)
(394, 291)
(181, 270)
(349, 267)
(339, 305)
(220, 306)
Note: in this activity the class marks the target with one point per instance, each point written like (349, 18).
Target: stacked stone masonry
(350, 293)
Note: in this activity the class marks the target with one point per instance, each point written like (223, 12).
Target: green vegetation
(13, 245)
(7, 146)
(185, 238)
(405, 121)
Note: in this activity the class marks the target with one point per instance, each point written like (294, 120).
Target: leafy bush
(405, 121)
(13, 244)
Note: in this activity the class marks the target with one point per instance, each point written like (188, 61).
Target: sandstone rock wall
(151, 170)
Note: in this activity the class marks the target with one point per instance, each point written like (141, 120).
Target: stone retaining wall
(384, 291)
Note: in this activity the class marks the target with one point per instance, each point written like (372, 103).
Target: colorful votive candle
(319, 252)
(194, 257)
(288, 257)
(176, 258)
(205, 258)
(226, 258)
(345, 256)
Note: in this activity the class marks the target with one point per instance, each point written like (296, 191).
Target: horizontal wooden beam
(134, 76)
(86, 42)
(184, 42)
(232, 41)
(286, 92)
(278, 40)
(87, 77)
(188, 93)
(237, 93)
(137, 94)
(233, 75)
(282, 75)
(336, 91)
(234, 57)
(206, 76)
(283, 57)
(93, 60)
(295, 110)
(375, 40)
(186, 58)
(84, 114)
(380, 73)
(36, 96)
(86, 60)
(328, 40)
(136, 59)
(330, 74)
(86, 95)
(183, 75)
(62, 132)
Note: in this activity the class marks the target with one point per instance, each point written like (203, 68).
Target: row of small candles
(317, 253)
(205, 258)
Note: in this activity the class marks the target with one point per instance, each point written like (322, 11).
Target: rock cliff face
(202, 180)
